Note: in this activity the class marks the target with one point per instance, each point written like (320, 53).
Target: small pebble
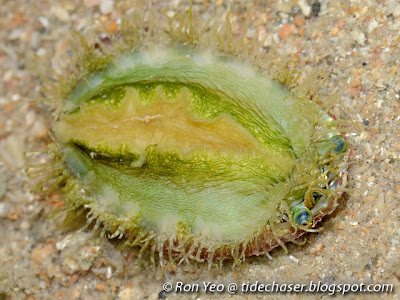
(3, 210)
(106, 6)
(44, 21)
(396, 12)
(372, 25)
(358, 36)
(109, 272)
(305, 8)
(286, 30)
(60, 13)
(42, 252)
(126, 294)
(76, 294)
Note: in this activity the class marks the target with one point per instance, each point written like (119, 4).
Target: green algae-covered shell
(192, 153)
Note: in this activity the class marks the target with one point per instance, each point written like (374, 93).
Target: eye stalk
(302, 216)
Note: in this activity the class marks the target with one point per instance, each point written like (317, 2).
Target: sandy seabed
(355, 42)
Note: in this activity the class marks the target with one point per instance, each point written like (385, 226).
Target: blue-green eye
(302, 215)
(340, 144)
(336, 144)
